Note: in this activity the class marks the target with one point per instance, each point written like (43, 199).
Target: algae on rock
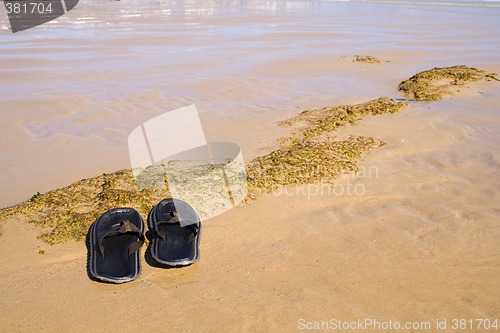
(303, 157)
(433, 84)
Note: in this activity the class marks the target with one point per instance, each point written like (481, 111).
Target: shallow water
(73, 89)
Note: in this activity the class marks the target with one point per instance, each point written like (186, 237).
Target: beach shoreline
(74, 106)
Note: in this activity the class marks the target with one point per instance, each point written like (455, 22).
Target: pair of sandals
(115, 240)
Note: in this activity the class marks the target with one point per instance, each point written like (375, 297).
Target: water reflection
(196, 8)
(111, 12)
(97, 13)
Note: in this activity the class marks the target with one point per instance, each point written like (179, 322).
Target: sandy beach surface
(414, 237)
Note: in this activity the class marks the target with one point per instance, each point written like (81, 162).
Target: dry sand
(419, 244)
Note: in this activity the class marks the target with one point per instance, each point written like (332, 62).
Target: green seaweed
(306, 162)
(433, 84)
(366, 59)
(330, 118)
(306, 156)
(492, 76)
(67, 213)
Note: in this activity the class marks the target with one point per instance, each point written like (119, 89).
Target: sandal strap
(124, 227)
(175, 220)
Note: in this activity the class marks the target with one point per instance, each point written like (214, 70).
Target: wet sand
(73, 90)
(417, 242)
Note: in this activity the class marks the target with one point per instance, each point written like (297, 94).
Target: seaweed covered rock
(304, 157)
(433, 84)
(367, 59)
(68, 212)
(330, 118)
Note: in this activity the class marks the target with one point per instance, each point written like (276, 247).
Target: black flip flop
(175, 233)
(115, 240)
